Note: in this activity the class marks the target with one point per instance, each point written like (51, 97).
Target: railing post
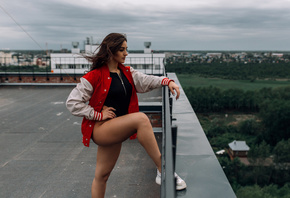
(60, 70)
(152, 60)
(47, 78)
(19, 75)
(167, 174)
(5, 69)
(174, 140)
(170, 108)
(75, 78)
(33, 76)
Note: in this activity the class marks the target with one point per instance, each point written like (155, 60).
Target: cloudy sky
(168, 24)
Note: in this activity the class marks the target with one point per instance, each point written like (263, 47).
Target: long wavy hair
(109, 46)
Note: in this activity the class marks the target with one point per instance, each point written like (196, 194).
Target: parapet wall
(155, 118)
(38, 78)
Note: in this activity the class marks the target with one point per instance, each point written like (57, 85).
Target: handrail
(167, 173)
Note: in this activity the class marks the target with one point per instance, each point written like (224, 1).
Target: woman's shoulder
(122, 66)
(92, 75)
(94, 72)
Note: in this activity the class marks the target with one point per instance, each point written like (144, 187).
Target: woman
(112, 114)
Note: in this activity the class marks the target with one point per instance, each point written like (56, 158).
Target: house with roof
(238, 149)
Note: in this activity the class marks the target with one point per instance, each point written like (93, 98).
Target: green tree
(251, 192)
(233, 169)
(249, 127)
(275, 116)
(259, 159)
(281, 152)
(271, 191)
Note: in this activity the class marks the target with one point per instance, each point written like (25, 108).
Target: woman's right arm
(77, 101)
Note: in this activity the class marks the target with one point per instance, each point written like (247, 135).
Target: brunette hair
(109, 46)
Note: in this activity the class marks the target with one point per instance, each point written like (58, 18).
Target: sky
(167, 24)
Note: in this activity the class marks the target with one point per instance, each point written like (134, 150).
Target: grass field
(194, 80)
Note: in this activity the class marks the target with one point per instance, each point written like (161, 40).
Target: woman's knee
(142, 118)
(102, 177)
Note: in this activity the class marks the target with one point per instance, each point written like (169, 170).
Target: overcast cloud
(168, 24)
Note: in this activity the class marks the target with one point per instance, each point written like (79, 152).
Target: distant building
(277, 55)
(147, 62)
(5, 58)
(238, 149)
(214, 55)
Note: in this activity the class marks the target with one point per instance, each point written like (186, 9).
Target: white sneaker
(180, 183)
(158, 178)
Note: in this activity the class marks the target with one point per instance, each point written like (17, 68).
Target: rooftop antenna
(92, 41)
(46, 48)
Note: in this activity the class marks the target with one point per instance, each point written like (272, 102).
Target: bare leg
(121, 128)
(106, 159)
(117, 130)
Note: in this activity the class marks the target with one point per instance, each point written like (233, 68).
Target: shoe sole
(158, 181)
(181, 187)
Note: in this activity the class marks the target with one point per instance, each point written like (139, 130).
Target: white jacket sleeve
(77, 101)
(145, 83)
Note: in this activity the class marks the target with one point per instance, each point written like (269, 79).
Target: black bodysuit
(119, 94)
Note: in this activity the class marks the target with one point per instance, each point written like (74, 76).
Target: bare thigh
(118, 129)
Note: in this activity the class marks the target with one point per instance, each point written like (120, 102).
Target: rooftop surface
(42, 154)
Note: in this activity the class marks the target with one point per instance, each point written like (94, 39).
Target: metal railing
(168, 180)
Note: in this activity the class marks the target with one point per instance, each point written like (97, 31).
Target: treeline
(271, 105)
(213, 99)
(234, 71)
(270, 191)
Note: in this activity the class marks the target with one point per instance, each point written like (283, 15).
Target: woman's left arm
(145, 83)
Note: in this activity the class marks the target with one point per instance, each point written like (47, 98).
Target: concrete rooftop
(42, 154)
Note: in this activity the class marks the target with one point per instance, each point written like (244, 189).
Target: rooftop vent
(147, 49)
(75, 44)
(75, 49)
(147, 44)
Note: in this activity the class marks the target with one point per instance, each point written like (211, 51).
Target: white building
(277, 55)
(147, 62)
(214, 55)
(6, 58)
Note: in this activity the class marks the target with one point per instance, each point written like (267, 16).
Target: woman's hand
(174, 87)
(108, 112)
